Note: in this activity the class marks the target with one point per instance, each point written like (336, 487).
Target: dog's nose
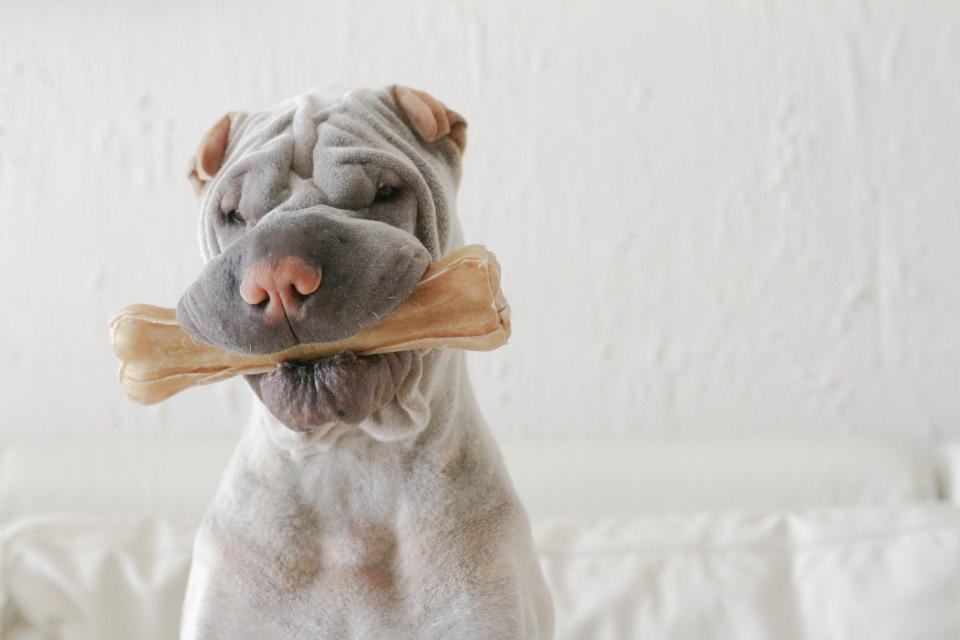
(279, 287)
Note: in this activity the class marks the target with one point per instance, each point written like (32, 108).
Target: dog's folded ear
(429, 117)
(209, 155)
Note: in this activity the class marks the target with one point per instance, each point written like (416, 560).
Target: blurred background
(720, 223)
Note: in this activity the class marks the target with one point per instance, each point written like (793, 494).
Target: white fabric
(92, 579)
(949, 470)
(604, 478)
(877, 572)
(176, 480)
(849, 574)
(170, 480)
(95, 540)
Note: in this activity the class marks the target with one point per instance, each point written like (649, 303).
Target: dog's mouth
(344, 388)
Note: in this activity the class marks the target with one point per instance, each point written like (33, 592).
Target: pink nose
(280, 287)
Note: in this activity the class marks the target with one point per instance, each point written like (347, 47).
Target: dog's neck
(357, 480)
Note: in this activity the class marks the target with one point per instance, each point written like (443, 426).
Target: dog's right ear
(209, 156)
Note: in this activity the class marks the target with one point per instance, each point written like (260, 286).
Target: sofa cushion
(175, 480)
(844, 573)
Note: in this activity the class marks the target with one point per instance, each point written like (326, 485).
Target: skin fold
(344, 388)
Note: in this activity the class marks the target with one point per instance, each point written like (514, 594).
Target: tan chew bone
(457, 304)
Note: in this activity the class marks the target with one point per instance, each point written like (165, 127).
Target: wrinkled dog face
(319, 216)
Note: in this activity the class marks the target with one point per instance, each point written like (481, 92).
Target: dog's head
(318, 218)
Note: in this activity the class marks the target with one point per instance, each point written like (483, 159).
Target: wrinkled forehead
(330, 140)
(320, 129)
(288, 130)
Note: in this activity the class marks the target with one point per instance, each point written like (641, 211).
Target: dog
(366, 498)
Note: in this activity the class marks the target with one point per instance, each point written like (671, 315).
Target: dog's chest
(343, 560)
(384, 549)
(321, 520)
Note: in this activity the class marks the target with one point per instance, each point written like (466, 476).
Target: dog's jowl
(366, 498)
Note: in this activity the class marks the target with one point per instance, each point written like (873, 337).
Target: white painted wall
(712, 216)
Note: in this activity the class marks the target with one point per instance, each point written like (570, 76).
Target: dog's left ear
(429, 117)
(209, 155)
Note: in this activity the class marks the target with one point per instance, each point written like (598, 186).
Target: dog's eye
(233, 217)
(385, 194)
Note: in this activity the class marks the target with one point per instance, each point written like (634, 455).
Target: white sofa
(739, 538)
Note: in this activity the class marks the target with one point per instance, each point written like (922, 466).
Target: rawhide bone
(457, 304)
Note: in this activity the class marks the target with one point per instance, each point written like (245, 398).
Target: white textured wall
(712, 216)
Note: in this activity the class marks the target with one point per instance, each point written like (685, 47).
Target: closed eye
(386, 194)
(234, 218)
